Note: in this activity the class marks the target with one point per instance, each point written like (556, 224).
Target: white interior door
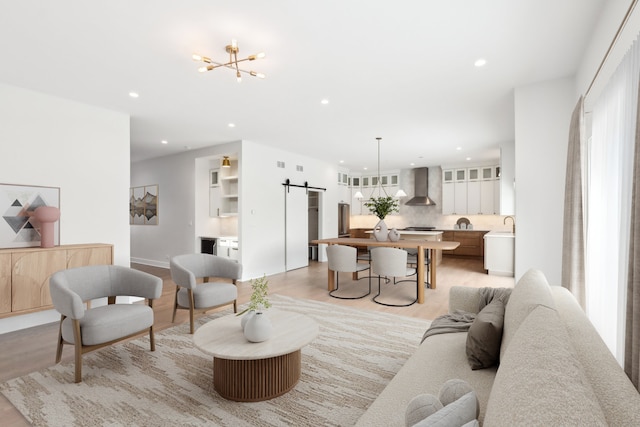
(296, 228)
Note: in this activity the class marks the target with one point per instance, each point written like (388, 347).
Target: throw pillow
(485, 336)
(458, 413)
(421, 407)
(453, 390)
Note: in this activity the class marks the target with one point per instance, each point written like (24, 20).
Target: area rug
(355, 355)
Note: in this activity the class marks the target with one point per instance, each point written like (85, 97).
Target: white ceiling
(399, 70)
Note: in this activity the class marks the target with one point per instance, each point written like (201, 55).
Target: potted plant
(256, 325)
(381, 207)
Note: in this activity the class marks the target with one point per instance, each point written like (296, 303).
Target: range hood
(421, 177)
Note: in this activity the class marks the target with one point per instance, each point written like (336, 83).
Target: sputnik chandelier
(232, 49)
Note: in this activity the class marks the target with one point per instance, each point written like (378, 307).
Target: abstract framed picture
(18, 227)
(143, 205)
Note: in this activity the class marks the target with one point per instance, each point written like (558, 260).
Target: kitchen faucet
(514, 222)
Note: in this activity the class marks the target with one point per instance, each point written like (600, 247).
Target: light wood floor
(33, 349)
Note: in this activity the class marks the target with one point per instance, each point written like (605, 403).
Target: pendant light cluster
(400, 193)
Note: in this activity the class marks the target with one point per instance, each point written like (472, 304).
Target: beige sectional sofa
(554, 368)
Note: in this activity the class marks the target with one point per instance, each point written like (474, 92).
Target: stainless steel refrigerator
(343, 219)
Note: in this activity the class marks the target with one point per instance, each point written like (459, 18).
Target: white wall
(542, 116)
(183, 207)
(262, 206)
(82, 149)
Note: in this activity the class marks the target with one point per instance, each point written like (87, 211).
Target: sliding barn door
(296, 228)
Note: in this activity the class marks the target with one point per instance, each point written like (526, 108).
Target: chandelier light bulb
(234, 43)
(196, 57)
(202, 69)
(238, 76)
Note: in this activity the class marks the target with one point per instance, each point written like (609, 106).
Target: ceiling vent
(421, 198)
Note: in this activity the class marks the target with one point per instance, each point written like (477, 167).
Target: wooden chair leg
(235, 306)
(60, 341)
(191, 309)
(175, 305)
(77, 344)
(152, 339)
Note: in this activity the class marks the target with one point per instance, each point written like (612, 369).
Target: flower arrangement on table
(258, 299)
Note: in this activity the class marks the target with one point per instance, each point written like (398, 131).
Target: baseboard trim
(151, 262)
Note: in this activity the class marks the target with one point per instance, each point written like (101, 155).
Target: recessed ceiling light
(458, 148)
(232, 125)
(164, 141)
(468, 158)
(412, 164)
(365, 168)
(324, 102)
(341, 161)
(480, 62)
(133, 94)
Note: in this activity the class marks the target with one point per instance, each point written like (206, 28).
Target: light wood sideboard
(25, 272)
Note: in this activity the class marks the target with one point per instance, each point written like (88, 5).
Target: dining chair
(186, 270)
(345, 259)
(391, 262)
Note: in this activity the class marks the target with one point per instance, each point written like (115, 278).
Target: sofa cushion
(455, 414)
(485, 336)
(541, 379)
(531, 291)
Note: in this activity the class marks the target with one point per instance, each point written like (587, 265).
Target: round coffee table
(249, 372)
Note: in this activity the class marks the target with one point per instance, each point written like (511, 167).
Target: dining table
(420, 244)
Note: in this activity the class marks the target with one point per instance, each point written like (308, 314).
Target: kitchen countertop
(500, 234)
(220, 237)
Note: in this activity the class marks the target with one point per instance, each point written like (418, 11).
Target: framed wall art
(18, 226)
(143, 205)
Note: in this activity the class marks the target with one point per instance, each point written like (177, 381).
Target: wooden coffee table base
(256, 380)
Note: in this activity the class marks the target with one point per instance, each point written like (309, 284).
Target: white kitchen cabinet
(499, 253)
(448, 198)
(487, 197)
(214, 201)
(473, 197)
(227, 247)
(447, 176)
(470, 191)
(460, 198)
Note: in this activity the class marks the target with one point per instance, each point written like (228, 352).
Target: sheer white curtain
(609, 183)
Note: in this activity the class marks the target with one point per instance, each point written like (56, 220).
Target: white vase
(394, 235)
(380, 231)
(245, 318)
(258, 328)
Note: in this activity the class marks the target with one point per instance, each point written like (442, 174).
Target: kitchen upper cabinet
(448, 197)
(460, 198)
(471, 191)
(474, 205)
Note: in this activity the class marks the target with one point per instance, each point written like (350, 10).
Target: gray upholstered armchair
(185, 272)
(91, 328)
